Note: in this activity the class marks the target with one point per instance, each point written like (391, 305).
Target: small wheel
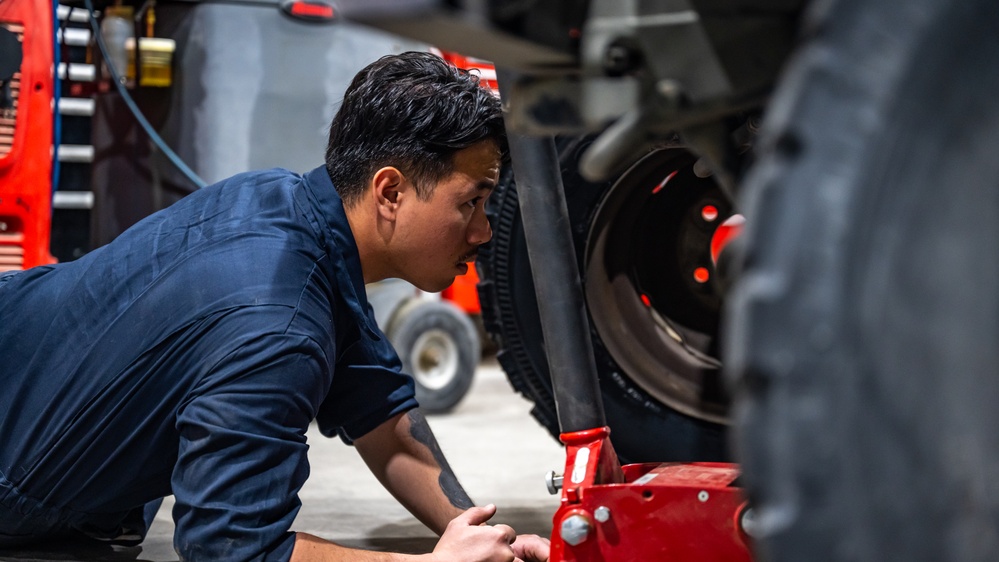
(439, 346)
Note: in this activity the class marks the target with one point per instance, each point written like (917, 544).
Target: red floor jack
(681, 512)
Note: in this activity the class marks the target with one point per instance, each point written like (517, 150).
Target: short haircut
(413, 111)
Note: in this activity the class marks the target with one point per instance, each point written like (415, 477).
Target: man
(190, 355)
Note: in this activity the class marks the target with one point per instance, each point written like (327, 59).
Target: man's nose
(479, 231)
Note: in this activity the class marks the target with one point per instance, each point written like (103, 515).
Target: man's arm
(405, 457)
(465, 539)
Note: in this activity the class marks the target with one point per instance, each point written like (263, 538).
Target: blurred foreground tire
(864, 327)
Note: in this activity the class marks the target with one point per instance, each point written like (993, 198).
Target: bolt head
(574, 529)
(553, 481)
(602, 514)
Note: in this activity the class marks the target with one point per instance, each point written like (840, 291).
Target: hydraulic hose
(130, 103)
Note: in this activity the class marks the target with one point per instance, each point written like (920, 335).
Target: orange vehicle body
(463, 292)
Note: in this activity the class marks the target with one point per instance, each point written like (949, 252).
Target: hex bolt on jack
(575, 529)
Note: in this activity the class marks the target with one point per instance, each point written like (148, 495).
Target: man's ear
(387, 185)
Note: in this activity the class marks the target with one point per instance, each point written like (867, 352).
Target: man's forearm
(419, 429)
(404, 455)
(309, 548)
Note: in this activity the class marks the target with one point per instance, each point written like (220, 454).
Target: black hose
(143, 122)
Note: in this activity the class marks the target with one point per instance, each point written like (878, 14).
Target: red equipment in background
(485, 69)
(26, 140)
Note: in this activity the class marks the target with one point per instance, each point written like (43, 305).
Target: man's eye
(474, 202)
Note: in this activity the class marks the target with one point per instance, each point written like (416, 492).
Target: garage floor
(498, 451)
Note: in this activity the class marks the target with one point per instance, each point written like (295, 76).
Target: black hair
(413, 111)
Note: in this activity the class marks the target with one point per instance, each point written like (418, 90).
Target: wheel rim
(650, 266)
(434, 359)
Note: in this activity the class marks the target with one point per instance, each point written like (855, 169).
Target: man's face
(441, 235)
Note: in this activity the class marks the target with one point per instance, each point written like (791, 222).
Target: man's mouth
(468, 258)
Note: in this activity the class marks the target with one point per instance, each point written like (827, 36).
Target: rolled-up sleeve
(242, 451)
(368, 389)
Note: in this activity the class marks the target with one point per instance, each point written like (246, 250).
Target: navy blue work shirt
(189, 357)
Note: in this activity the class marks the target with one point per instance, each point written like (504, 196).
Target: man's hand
(531, 548)
(406, 458)
(467, 539)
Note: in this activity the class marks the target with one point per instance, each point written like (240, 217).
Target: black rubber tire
(439, 346)
(642, 428)
(864, 328)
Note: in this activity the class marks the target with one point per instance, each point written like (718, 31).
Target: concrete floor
(498, 451)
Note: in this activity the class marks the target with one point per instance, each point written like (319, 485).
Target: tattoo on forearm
(420, 430)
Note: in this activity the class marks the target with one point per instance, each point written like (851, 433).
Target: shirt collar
(340, 245)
